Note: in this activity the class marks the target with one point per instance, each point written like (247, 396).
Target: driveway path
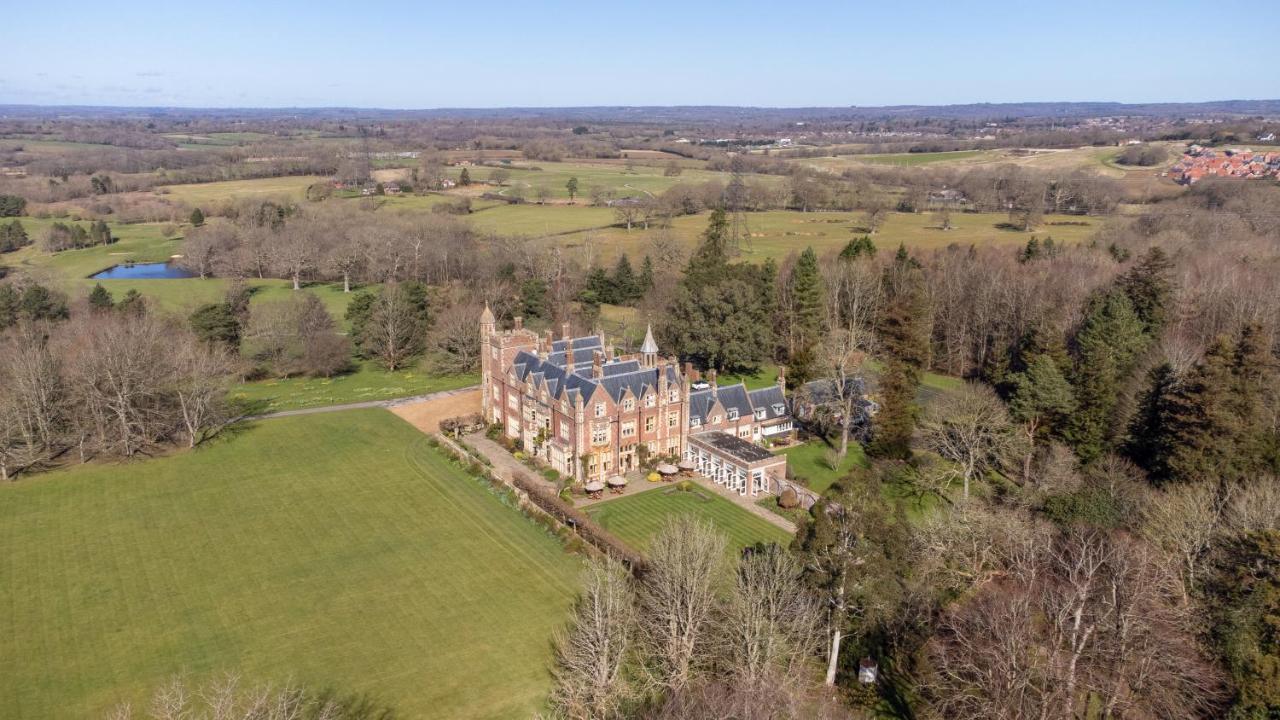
(367, 404)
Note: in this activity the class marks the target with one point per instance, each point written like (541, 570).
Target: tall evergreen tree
(646, 275)
(1041, 400)
(626, 286)
(806, 300)
(197, 218)
(1107, 347)
(1148, 443)
(1149, 285)
(904, 338)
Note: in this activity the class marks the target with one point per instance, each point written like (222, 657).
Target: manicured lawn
(809, 461)
(335, 550)
(368, 382)
(637, 518)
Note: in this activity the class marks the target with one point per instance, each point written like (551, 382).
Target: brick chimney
(519, 322)
(564, 331)
(782, 379)
(597, 365)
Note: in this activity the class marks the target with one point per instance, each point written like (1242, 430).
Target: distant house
(1268, 137)
(391, 188)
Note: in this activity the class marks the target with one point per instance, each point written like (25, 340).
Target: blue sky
(428, 54)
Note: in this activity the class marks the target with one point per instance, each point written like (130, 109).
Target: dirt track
(427, 414)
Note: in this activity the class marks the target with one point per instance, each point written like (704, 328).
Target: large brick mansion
(589, 413)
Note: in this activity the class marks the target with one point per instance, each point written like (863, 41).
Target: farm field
(195, 194)
(637, 518)
(531, 219)
(777, 233)
(367, 383)
(612, 176)
(840, 162)
(337, 551)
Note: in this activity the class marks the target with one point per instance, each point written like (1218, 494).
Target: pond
(143, 271)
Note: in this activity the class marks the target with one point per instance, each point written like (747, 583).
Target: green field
(335, 550)
(199, 194)
(368, 382)
(809, 461)
(646, 176)
(637, 518)
(777, 233)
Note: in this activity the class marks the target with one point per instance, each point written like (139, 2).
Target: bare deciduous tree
(971, 428)
(678, 599)
(590, 681)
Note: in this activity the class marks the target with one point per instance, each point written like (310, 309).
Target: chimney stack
(782, 378)
(546, 342)
(564, 331)
(711, 377)
(519, 322)
(597, 365)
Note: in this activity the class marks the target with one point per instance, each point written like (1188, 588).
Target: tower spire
(649, 350)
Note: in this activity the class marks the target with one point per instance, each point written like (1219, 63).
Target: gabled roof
(579, 343)
(772, 400)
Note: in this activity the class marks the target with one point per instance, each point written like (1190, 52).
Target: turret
(649, 350)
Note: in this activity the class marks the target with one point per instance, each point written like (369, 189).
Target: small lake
(144, 271)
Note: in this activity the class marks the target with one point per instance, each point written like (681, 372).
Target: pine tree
(1203, 427)
(646, 276)
(903, 337)
(1149, 433)
(626, 286)
(197, 218)
(1041, 400)
(806, 300)
(1107, 346)
(464, 178)
(100, 298)
(858, 247)
(1149, 285)
(572, 188)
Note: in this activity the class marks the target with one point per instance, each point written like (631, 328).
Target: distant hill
(686, 113)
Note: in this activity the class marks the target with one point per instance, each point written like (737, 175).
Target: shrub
(788, 499)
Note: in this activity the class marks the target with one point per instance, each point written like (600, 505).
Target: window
(599, 409)
(733, 413)
(673, 419)
(759, 413)
(674, 396)
(629, 404)
(513, 401)
(650, 400)
(744, 432)
(715, 419)
(649, 423)
(600, 435)
(694, 422)
(779, 408)
(628, 429)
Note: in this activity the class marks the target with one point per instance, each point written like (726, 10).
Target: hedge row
(588, 529)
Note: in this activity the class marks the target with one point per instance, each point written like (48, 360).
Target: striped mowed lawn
(335, 550)
(637, 518)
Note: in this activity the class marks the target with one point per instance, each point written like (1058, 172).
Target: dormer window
(733, 413)
(650, 400)
(759, 413)
(629, 404)
(779, 408)
(694, 422)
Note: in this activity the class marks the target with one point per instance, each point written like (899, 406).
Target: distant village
(1200, 162)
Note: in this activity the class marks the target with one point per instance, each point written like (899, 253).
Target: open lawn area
(809, 461)
(197, 194)
(777, 233)
(368, 382)
(646, 176)
(637, 518)
(335, 550)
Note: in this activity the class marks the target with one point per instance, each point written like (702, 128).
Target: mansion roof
(619, 376)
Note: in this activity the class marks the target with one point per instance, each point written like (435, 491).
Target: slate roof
(619, 376)
(580, 343)
(772, 400)
(732, 397)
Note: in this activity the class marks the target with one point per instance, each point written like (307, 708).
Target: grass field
(334, 550)
(809, 461)
(637, 518)
(368, 382)
(777, 233)
(293, 187)
(645, 176)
